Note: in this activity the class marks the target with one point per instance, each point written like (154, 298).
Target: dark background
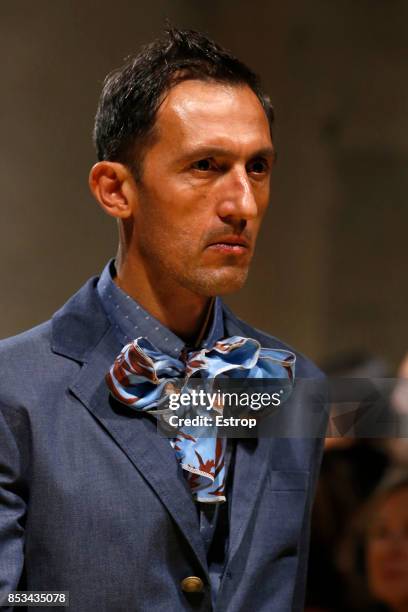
(330, 271)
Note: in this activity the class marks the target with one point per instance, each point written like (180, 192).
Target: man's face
(204, 188)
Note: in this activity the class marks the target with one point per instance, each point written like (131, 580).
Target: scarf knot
(143, 378)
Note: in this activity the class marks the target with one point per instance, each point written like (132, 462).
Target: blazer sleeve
(13, 498)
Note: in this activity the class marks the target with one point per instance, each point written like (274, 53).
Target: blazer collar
(79, 325)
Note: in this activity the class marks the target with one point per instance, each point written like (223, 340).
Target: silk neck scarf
(142, 378)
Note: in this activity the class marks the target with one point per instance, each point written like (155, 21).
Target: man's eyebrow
(267, 152)
(213, 151)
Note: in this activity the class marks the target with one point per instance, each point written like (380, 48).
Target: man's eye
(258, 166)
(204, 165)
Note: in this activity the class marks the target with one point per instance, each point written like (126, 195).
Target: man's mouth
(230, 244)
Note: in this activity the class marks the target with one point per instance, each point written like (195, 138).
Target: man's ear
(114, 188)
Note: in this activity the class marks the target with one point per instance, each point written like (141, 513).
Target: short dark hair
(132, 94)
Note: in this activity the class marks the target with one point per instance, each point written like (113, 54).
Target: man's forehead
(211, 111)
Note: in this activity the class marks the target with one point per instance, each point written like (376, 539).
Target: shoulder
(24, 364)
(38, 361)
(31, 371)
(305, 368)
(19, 353)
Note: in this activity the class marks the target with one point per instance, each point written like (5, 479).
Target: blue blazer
(92, 500)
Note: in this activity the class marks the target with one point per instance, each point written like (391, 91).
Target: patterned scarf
(143, 378)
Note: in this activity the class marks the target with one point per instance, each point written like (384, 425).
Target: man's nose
(237, 199)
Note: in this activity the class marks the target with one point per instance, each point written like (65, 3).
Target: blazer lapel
(134, 433)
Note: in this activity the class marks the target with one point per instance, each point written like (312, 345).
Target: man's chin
(228, 288)
(220, 282)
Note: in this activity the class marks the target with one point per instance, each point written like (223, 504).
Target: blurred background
(329, 274)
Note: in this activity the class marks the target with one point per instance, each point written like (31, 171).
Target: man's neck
(186, 314)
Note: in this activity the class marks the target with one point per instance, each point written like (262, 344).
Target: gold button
(192, 584)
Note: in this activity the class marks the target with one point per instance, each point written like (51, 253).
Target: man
(92, 500)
